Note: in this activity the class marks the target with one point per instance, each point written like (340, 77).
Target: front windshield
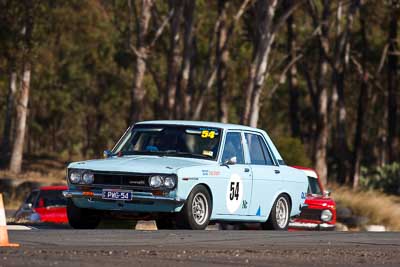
(313, 186)
(49, 198)
(171, 140)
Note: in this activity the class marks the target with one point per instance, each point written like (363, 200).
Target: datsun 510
(185, 174)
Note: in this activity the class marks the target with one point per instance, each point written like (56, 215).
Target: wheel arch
(288, 196)
(208, 189)
(276, 197)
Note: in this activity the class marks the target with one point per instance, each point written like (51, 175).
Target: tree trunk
(363, 103)
(185, 92)
(323, 125)
(258, 68)
(22, 113)
(174, 58)
(341, 61)
(392, 87)
(321, 143)
(362, 107)
(292, 77)
(12, 89)
(222, 55)
(138, 91)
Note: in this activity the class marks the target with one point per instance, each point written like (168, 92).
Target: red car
(320, 214)
(46, 204)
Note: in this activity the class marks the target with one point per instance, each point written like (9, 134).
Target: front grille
(125, 179)
(311, 214)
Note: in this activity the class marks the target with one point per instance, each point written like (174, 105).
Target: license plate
(115, 194)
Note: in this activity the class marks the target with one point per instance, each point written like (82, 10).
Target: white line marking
(19, 228)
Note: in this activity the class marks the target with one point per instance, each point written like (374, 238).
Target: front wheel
(279, 216)
(82, 218)
(196, 212)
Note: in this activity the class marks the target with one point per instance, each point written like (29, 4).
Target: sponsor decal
(208, 153)
(303, 195)
(214, 173)
(244, 204)
(210, 173)
(234, 193)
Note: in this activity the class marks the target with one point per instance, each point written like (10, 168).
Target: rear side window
(259, 154)
(268, 158)
(233, 148)
(313, 186)
(256, 152)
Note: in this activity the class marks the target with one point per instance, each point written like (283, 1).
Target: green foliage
(292, 151)
(385, 179)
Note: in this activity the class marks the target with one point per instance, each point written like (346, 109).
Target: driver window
(233, 148)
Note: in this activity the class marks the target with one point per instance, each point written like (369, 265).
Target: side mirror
(107, 154)
(27, 206)
(327, 193)
(231, 161)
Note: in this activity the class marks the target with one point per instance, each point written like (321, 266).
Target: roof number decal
(207, 134)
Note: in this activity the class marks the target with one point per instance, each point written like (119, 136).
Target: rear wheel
(196, 212)
(280, 214)
(82, 218)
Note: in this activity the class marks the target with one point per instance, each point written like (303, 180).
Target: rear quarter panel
(295, 183)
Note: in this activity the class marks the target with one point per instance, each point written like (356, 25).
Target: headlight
(169, 182)
(75, 177)
(88, 178)
(156, 181)
(326, 215)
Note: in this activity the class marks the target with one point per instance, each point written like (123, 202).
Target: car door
(266, 178)
(238, 187)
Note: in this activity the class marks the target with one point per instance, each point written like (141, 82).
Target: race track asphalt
(105, 247)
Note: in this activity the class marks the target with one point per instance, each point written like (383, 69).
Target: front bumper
(136, 196)
(141, 202)
(312, 226)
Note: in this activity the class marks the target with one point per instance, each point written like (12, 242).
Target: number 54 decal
(234, 193)
(234, 190)
(207, 134)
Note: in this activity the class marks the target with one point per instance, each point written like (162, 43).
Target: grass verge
(379, 208)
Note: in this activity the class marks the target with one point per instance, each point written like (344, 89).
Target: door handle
(246, 169)
(277, 171)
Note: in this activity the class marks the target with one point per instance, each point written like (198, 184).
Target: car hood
(141, 164)
(315, 200)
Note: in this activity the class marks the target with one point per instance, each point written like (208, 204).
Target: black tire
(82, 218)
(273, 222)
(186, 218)
(166, 222)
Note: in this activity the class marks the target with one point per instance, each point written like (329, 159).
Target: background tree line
(321, 76)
